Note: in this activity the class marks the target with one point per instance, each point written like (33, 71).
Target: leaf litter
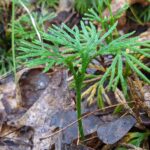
(112, 132)
(52, 111)
(41, 104)
(39, 110)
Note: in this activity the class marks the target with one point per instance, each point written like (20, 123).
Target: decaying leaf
(138, 96)
(65, 5)
(143, 2)
(113, 131)
(20, 139)
(31, 84)
(145, 36)
(2, 114)
(146, 90)
(54, 98)
(75, 147)
(117, 4)
(63, 118)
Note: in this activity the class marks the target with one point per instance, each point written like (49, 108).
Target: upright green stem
(13, 38)
(78, 106)
(78, 78)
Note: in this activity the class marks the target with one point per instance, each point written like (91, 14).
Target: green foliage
(145, 15)
(104, 21)
(23, 28)
(48, 3)
(94, 15)
(77, 43)
(139, 14)
(5, 50)
(5, 37)
(81, 47)
(76, 48)
(117, 47)
(27, 31)
(83, 6)
(98, 5)
(136, 139)
(5, 61)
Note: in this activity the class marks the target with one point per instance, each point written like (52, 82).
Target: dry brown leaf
(146, 90)
(55, 97)
(117, 4)
(65, 5)
(143, 2)
(8, 95)
(145, 36)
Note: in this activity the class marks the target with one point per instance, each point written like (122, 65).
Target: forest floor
(38, 110)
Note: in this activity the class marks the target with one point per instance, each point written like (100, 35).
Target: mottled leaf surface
(113, 131)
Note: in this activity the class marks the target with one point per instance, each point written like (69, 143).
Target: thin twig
(94, 137)
(10, 132)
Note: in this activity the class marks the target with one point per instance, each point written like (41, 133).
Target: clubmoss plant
(81, 47)
(104, 21)
(116, 70)
(135, 139)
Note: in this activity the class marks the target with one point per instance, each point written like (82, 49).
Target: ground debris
(64, 118)
(75, 147)
(113, 131)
